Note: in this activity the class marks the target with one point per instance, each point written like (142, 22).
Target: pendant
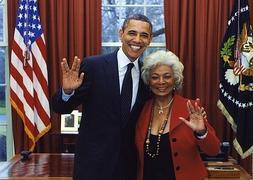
(160, 111)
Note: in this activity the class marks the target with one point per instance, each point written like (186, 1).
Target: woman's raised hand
(197, 117)
(70, 76)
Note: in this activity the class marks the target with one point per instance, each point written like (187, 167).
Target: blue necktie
(126, 94)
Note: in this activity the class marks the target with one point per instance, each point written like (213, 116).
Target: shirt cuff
(65, 97)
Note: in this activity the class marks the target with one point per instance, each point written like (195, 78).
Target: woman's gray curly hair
(162, 57)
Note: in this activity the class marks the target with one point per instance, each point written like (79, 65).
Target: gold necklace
(160, 132)
(161, 108)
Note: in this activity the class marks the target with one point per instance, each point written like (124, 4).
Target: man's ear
(151, 37)
(120, 34)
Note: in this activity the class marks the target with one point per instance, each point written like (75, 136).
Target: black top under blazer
(105, 148)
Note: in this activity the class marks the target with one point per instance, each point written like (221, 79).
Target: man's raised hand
(70, 76)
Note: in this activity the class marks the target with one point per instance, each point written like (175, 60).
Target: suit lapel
(112, 77)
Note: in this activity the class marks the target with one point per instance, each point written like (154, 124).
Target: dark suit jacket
(105, 148)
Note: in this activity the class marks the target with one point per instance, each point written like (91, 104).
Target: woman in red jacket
(171, 129)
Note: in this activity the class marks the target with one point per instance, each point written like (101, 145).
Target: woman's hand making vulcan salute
(70, 77)
(197, 117)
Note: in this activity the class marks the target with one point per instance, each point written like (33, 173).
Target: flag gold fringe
(227, 115)
(234, 127)
(28, 132)
(239, 149)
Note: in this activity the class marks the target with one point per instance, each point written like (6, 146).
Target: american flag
(28, 72)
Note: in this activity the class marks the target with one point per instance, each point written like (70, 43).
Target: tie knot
(130, 66)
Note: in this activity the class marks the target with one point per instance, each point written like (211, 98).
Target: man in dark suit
(105, 148)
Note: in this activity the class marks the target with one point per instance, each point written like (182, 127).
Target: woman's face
(161, 80)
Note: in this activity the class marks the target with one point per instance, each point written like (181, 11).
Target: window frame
(161, 45)
(8, 124)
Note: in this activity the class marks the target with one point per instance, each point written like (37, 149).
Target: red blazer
(184, 145)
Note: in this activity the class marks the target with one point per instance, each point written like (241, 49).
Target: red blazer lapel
(143, 122)
(179, 109)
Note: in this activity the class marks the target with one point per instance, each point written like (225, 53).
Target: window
(114, 12)
(5, 123)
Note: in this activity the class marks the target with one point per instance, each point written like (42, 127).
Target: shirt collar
(123, 60)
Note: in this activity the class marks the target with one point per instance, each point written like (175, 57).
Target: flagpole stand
(25, 155)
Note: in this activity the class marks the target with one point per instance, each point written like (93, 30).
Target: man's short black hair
(139, 17)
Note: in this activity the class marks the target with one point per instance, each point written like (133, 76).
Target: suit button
(174, 139)
(177, 168)
(175, 154)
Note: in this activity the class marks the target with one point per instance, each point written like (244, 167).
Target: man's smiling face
(135, 38)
